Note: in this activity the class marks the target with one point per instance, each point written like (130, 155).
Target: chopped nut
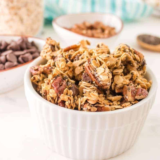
(97, 29)
(114, 98)
(91, 80)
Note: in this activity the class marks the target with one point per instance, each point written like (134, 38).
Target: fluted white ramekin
(85, 135)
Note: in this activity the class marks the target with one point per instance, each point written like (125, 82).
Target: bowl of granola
(95, 27)
(89, 103)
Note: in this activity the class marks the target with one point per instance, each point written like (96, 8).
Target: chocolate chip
(20, 60)
(6, 52)
(28, 44)
(18, 53)
(3, 45)
(9, 65)
(35, 55)
(3, 59)
(1, 66)
(33, 44)
(11, 57)
(21, 43)
(32, 50)
(27, 57)
(13, 46)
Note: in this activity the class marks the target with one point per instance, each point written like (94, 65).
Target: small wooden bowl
(149, 42)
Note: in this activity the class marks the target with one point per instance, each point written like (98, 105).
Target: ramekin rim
(122, 25)
(9, 69)
(28, 84)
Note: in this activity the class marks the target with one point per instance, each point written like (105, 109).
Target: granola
(85, 79)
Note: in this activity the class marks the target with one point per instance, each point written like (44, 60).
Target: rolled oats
(91, 80)
(21, 17)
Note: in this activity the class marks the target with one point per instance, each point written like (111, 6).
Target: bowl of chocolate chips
(16, 53)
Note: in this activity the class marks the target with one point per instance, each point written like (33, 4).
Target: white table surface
(19, 140)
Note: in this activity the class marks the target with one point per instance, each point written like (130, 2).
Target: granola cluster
(96, 30)
(85, 79)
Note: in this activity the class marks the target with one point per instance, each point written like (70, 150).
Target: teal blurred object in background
(128, 10)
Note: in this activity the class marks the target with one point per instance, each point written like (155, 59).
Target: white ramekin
(67, 21)
(84, 135)
(13, 77)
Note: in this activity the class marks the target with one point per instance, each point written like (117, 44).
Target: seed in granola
(97, 81)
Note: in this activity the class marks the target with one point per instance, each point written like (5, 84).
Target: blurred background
(128, 10)
(26, 17)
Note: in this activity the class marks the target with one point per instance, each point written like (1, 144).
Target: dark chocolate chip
(11, 57)
(18, 53)
(6, 52)
(27, 57)
(3, 59)
(33, 44)
(28, 44)
(35, 55)
(3, 45)
(14, 46)
(21, 43)
(20, 60)
(23, 46)
(32, 50)
(9, 65)
(1, 67)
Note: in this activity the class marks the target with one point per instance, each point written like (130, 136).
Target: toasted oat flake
(92, 80)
